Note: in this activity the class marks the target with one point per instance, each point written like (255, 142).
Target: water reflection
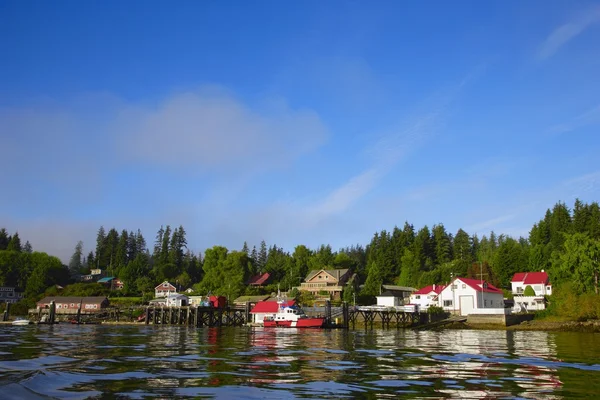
(85, 361)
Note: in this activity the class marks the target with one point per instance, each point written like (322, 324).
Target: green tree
(27, 248)
(47, 271)
(15, 243)
(75, 265)
(261, 259)
(4, 239)
(578, 263)
(528, 291)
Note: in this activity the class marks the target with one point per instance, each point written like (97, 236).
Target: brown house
(326, 282)
(71, 304)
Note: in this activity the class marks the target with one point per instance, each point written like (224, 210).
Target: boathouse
(66, 305)
(466, 296)
(267, 308)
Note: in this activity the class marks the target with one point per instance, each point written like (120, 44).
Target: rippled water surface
(96, 361)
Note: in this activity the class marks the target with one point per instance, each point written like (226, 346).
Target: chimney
(434, 287)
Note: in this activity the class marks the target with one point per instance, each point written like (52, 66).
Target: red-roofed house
(259, 280)
(267, 308)
(539, 282)
(426, 297)
(472, 296)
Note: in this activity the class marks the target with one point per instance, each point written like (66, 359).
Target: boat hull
(301, 323)
(21, 322)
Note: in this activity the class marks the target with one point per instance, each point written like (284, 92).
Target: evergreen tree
(15, 243)
(27, 248)
(122, 252)
(245, 249)
(100, 246)
(75, 265)
(442, 243)
(158, 242)
(4, 239)
(261, 260)
(254, 257)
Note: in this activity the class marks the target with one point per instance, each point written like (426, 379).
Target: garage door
(466, 305)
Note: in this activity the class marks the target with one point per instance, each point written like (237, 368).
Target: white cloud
(211, 128)
(567, 32)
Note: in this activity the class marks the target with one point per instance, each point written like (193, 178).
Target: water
(137, 362)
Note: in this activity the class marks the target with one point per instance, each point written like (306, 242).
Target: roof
(160, 285)
(388, 293)
(398, 288)
(106, 280)
(177, 296)
(259, 279)
(73, 299)
(332, 272)
(428, 289)
(531, 278)
(476, 284)
(251, 299)
(270, 306)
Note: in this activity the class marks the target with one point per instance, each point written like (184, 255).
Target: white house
(164, 289)
(177, 300)
(539, 282)
(472, 296)
(426, 297)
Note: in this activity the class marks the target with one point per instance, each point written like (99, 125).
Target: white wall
(528, 303)
(388, 301)
(538, 288)
(449, 299)
(423, 301)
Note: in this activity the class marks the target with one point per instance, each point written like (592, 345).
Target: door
(466, 305)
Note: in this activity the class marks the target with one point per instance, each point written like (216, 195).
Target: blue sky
(294, 122)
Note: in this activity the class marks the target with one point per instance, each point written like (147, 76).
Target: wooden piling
(6, 312)
(52, 315)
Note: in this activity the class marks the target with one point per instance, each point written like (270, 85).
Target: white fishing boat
(21, 321)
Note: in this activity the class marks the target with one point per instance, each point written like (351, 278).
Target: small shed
(218, 301)
(177, 300)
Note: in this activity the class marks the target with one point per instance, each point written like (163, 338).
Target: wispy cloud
(567, 32)
(589, 117)
(211, 128)
(584, 184)
(485, 226)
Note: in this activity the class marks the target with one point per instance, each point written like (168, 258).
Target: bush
(529, 291)
(435, 310)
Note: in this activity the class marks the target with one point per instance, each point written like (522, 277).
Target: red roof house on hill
(259, 280)
(539, 282)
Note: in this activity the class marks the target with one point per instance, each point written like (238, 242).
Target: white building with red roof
(466, 296)
(426, 297)
(269, 308)
(539, 282)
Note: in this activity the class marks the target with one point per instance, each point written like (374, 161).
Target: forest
(565, 243)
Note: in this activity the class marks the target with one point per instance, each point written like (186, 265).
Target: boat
(21, 322)
(291, 316)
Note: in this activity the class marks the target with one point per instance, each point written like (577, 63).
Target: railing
(410, 308)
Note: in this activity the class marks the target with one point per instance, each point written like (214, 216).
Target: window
(464, 286)
(447, 303)
(454, 287)
(72, 305)
(417, 297)
(548, 288)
